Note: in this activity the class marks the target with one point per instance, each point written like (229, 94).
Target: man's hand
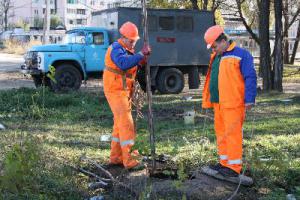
(146, 50)
(249, 106)
(143, 62)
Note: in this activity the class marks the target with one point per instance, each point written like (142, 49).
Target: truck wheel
(194, 79)
(142, 81)
(40, 80)
(67, 78)
(170, 81)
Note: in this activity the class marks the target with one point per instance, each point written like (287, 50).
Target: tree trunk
(205, 4)
(278, 62)
(195, 4)
(265, 59)
(247, 26)
(5, 20)
(296, 44)
(286, 33)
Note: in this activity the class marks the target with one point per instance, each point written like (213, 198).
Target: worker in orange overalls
(121, 65)
(230, 89)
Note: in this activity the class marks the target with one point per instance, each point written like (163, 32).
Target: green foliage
(142, 143)
(55, 21)
(38, 22)
(182, 176)
(20, 167)
(70, 125)
(24, 24)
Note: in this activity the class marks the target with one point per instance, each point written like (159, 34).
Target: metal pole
(149, 92)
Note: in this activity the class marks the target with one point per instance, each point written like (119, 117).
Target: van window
(166, 23)
(185, 23)
(98, 38)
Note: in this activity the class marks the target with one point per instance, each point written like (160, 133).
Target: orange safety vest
(231, 83)
(115, 79)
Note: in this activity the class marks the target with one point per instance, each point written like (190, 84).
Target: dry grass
(16, 47)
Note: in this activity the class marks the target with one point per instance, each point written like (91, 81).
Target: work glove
(146, 50)
(143, 62)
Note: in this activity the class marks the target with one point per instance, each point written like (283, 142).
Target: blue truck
(175, 35)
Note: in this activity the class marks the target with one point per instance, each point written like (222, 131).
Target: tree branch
(253, 35)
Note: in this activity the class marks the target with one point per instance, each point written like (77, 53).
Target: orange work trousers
(123, 135)
(229, 133)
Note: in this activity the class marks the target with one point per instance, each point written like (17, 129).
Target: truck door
(95, 51)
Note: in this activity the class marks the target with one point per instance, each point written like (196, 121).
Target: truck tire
(170, 81)
(194, 79)
(141, 78)
(68, 78)
(40, 80)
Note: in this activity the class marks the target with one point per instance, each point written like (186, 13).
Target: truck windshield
(74, 37)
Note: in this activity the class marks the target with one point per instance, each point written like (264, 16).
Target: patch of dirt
(202, 187)
(11, 80)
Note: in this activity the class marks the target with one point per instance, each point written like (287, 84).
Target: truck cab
(80, 56)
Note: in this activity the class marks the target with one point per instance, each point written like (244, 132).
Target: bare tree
(291, 11)
(296, 44)
(247, 26)
(5, 6)
(195, 4)
(278, 57)
(212, 5)
(265, 58)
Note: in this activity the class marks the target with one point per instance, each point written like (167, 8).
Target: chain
(138, 99)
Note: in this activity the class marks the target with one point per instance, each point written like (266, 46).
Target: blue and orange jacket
(123, 61)
(237, 79)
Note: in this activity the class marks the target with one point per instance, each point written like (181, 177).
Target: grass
(291, 73)
(16, 47)
(62, 127)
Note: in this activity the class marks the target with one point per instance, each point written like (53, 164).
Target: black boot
(216, 167)
(227, 172)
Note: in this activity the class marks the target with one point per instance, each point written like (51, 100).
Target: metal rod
(148, 88)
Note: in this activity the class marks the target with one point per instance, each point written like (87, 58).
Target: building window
(81, 21)
(71, 21)
(52, 11)
(71, 11)
(166, 23)
(185, 24)
(72, 1)
(101, 3)
(98, 38)
(81, 11)
(117, 4)
(36, 12)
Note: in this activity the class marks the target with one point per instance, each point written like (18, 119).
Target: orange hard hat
(130, 31)
(211, 34)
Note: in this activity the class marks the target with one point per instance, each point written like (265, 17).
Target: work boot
(227, 172)
(138, 167)
(112, 165)
(215, 167)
